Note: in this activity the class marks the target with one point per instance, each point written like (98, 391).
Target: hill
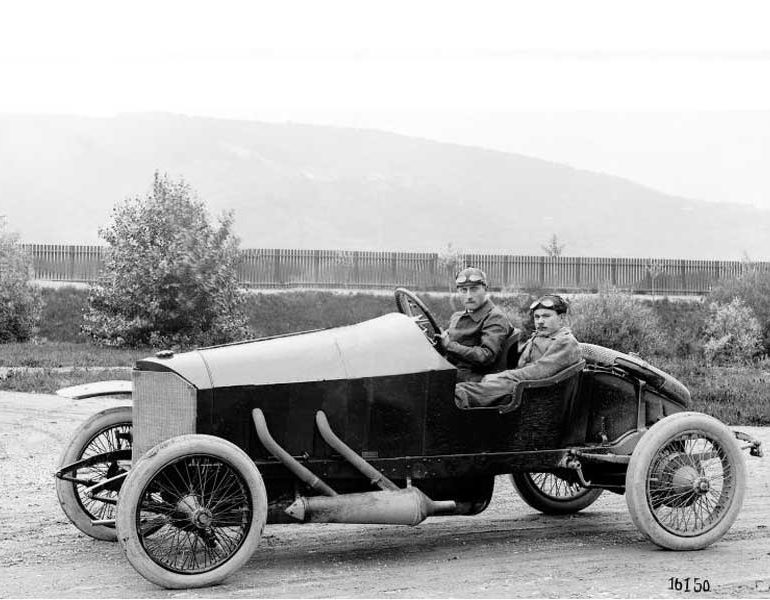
(304, 186)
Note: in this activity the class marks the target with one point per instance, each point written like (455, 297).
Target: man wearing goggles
(550, 349)
(475, 336)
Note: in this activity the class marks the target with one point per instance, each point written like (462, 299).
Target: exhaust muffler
(402, 507)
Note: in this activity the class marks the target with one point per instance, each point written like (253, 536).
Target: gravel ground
(508, 551)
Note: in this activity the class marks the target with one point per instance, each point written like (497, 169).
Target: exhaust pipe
(401, 507)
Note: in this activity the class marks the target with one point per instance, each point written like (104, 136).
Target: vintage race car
(358, 424)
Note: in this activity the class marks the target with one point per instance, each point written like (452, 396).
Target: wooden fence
(265, 268)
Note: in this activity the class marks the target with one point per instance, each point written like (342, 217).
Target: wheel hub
(198, 515)
(685, 478)
(701, 485)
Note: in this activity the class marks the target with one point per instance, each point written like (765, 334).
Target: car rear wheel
(685, 482)
(552, 495)
(105, 432)
(191, 511)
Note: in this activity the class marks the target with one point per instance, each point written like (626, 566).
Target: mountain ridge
(293, 185)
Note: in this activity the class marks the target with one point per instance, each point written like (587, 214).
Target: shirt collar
(560, 331)
(482, 311)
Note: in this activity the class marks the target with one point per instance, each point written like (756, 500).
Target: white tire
(105, 431)
(552, 495)
(191, 511)
(685, 482)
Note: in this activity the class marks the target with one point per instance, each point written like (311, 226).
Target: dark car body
(326, 417)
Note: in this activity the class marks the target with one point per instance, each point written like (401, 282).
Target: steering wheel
(410, 305)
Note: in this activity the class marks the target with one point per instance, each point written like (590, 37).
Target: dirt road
(507, 551)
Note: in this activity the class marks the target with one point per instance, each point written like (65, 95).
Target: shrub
(618, 321)
(20, 301)
(62, 315)
(733, 334)
(515, 304)
(170, 277)
(753, 287)
(684, 323)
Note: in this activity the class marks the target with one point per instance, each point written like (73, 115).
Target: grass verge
(47, 381)
(67, 354)
(735, 395)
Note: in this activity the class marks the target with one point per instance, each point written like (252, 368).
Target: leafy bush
(515, 304)
(733, 394)
(733, 334)
(20, 301)
(753, 287)
(618, 321)
(170, 277)
(62, 315)
(684, 322)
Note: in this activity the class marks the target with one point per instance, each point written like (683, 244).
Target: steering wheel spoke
(409, 304)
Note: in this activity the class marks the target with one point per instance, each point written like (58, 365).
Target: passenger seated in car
(475, 336)
(550, 349)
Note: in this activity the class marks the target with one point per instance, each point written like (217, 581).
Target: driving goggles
(556, 303)
(471, 278)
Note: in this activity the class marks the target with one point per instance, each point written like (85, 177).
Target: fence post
(614, 271)
(316, 266)
(542, 272)
(71, 264)
(356, 268)
(276, 267)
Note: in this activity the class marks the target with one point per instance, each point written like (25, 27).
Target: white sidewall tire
(66, 491)
(645, 452)
(531, 493)
(148, 466)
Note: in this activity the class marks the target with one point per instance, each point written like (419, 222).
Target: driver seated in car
(550, 349)
(474, 340)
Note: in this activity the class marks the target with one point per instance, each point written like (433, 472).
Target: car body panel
(388, 345)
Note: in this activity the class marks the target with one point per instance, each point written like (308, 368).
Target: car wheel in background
(552, 495)
(106, 431)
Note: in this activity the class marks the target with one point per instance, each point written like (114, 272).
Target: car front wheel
(191, 511)
(105, 439)
(685, 482)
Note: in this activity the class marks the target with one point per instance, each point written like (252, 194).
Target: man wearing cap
(550, 349)
(476, 334)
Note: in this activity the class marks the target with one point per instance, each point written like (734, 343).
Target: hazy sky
(675, 95)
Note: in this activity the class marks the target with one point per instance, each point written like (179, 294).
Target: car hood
(389, 345)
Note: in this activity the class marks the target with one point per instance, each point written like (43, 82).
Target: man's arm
(563, 352)
(496, 329)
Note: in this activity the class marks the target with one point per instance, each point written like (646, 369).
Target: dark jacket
(476, 339)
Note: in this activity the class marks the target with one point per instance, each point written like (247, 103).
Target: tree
(20, 301)
(553, 249)
(170, 277)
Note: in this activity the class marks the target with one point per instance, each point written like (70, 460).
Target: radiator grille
(164, 407)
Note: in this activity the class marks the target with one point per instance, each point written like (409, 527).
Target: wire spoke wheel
(690, 484)
(115, 437)
(107, 431)
(552, 494)
(556, 487)
(685, 482)
(195, 514)
(191, 511)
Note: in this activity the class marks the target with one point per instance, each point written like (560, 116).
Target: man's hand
(443, 340)
(492, 377)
